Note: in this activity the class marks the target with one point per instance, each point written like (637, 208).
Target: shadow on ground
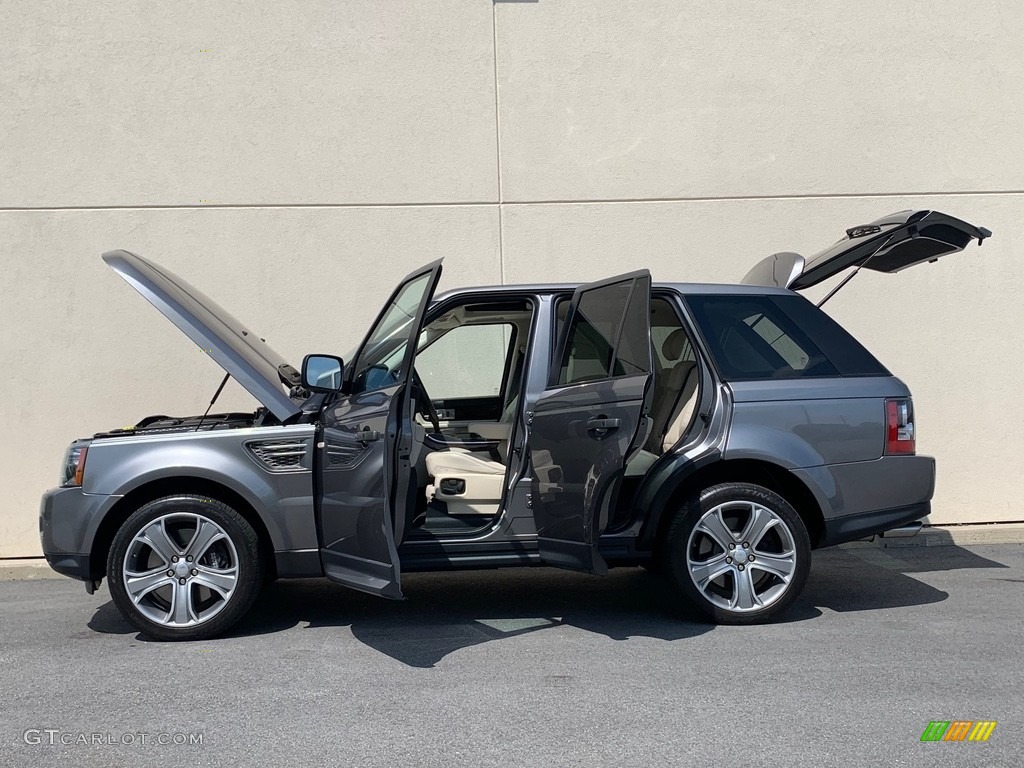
(866, 577)
(446, 612)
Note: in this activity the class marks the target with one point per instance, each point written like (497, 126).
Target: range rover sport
(716, 433)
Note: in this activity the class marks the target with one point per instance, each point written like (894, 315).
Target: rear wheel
(185, 568)
(739, 552)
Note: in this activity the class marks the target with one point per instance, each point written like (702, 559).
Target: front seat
(501, 430)
(468, 483)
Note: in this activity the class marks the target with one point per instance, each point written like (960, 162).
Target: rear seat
(675, 398)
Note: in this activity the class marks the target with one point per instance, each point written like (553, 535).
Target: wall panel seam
(485, 203)
(497, 140)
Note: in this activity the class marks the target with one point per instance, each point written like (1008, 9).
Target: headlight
(74, 464)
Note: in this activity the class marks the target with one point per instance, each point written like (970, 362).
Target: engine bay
(162, 424)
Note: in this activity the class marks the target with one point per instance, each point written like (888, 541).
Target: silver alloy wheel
(741, 556)
(180, 570)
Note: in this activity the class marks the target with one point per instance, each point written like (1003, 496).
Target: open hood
(890, 244)
(239, 351)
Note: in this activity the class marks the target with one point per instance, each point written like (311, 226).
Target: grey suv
(716, 433)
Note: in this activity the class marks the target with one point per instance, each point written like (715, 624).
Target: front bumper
(73, 566)
(68, 519)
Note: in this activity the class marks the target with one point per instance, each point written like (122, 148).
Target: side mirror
(322, 373)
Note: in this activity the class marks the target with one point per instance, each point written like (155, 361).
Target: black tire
(720, 599)
(234, 553)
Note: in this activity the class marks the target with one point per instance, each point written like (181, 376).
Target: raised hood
(239, 351)
(889, 244)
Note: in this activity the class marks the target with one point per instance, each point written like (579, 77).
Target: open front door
(363, 450)
(590, 418)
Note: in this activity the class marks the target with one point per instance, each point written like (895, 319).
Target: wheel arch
(693, 477)
(173, 486)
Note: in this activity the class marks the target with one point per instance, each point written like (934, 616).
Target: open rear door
(363, 450)
(591, 417)
(890, 244)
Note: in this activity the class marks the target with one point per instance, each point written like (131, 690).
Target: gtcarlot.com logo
(55, 736)
(958, 730)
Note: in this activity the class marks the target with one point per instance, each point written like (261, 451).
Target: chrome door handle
(603, 424)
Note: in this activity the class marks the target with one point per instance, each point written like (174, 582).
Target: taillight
(899, 426)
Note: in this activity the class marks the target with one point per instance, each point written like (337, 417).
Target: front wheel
(739, 552)
(184, 567)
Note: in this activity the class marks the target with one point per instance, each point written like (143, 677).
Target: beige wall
(293, 158)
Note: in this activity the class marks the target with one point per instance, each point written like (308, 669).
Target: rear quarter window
(777, 337)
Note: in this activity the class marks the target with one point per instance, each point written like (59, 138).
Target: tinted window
(796, 357)
(633, 352)
(608, 334)
(770, 337)
(591, 343)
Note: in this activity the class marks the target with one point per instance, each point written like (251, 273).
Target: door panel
(591, 418)
(465, 410)
(363, 455)
(579, 438)
(357, 468)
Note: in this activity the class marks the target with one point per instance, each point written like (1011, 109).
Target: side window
(795, 356)
(777, 336)
(608, 333)
(389, 337)
(467, 361)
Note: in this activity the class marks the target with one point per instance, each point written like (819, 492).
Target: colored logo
(958, 730)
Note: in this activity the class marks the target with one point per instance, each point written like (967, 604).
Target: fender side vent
(343, 454)
(279, 455)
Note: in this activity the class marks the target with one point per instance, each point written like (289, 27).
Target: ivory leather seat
(481, 479)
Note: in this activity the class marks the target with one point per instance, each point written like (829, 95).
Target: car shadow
(447, 612)
(941, 554)
(864, 577)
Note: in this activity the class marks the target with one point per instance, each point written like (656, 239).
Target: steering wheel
(424, 405)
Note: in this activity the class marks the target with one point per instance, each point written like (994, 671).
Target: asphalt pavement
(533, 667)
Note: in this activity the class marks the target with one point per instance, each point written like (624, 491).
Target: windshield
(382, 356)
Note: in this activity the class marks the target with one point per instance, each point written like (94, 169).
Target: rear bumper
(862, 498)
(853, 527)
